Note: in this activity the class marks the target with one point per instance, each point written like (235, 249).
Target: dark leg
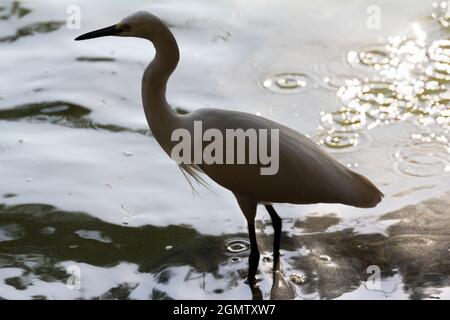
(277, 224)
(248, 207)
(256, 293)
(253, 259)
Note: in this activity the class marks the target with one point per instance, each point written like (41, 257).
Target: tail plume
(368, 195)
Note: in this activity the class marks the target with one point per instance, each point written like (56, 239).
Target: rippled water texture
(91, 208)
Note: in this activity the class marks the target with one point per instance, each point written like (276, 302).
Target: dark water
(85, 189)
(39, 243)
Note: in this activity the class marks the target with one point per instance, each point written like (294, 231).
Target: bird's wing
(307, 174)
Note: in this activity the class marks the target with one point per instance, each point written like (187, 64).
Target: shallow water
(85, 187)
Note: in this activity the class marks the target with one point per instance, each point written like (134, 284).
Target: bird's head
(140, 24)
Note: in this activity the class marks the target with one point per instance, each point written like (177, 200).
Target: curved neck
(160, 116)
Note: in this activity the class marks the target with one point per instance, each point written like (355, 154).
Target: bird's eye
(126, 27)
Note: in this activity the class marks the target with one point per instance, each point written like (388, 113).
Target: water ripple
(235, 246)
(286, 82)
(60, 113)
(408, 80)
(424, 156)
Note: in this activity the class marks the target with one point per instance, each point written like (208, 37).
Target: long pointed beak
(108, 31)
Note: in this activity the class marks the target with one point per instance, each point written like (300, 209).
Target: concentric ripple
(342, 141)
(375, 57)
(344, 119)
(424, 156)
(286, 82)
(235, 246)
(341, 130)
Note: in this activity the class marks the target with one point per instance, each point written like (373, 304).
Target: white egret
(306, 174)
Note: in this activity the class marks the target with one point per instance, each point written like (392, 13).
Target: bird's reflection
(256, 292)
(280, 289)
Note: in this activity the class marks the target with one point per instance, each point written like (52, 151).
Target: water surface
(84, 185)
